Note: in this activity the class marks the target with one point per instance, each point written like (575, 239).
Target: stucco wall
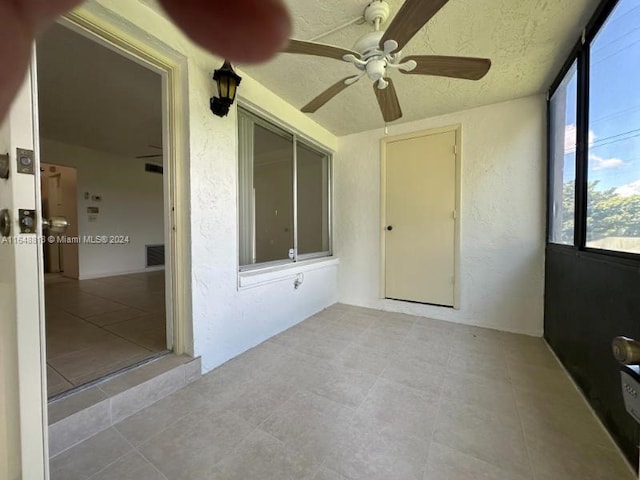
(226, 319)
(502, 217)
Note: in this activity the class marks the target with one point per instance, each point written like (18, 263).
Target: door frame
(457, 129)
(172, 67)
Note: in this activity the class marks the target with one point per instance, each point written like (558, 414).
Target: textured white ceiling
(527, 40)
(94, 97)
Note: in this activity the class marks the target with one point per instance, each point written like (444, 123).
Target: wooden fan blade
(411, 17)
(468, 68)
(388, 101)
(149, 156)
(318, 49)
(325, 96)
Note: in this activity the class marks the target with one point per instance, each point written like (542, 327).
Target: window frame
(274, 124)
(580, 54)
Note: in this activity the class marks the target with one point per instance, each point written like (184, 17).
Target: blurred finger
(244, 31)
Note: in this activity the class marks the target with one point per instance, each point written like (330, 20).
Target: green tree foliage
(608, 214)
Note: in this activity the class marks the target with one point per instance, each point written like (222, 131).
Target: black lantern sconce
(227, 81)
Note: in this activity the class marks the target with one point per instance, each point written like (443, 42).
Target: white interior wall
(131, 205)
(227, 320)
(502, 217)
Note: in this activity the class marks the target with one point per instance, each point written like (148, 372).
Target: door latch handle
(55, 224)
(626, 350)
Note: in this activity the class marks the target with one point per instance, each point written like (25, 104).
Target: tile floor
(355, 394)
(96, 327)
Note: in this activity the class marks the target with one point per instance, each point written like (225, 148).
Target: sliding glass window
(613, 192)
(284, 195)
(562, 148)
(594, 138)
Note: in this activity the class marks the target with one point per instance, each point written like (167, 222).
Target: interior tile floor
(96, 327)
(355, 394)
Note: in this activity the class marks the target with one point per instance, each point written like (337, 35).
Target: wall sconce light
(227, 81)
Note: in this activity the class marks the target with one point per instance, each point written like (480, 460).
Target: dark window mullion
(582, 150)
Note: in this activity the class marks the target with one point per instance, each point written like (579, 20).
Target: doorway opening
(106, 199)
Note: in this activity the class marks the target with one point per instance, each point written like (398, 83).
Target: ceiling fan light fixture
(379, 52)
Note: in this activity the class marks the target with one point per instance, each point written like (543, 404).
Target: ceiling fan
(377, 53)
(157, 155)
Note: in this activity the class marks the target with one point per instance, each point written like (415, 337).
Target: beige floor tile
(346, 386)
(400, 411)
(96, 361)
(445, 463)
(365, 454)
(491, 436)
(89, 457)
(480, 365)
(326, 474)
(394, 324)
(81, 350)
(261, 456)
(56, 383)
(257, 400)
(359, 319)
(61, 342)
(311, 424)
(433, 353)
(148, 331)
(356, 310)
(542, 415)
(553, 458)
(117, 316)
(363, 359)
(72, 404)
(147, 423)
(415, 373)
(355, 394)
(190, 448)
(541, 380)
(379, 341)
(130, 467)
(93, 306)
(491, 394)
(472, 343)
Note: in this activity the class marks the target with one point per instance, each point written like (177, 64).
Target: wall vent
(155, 255)
(153, 168)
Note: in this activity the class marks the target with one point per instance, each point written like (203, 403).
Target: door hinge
(455, 149)
(454, 214)
(4, 166)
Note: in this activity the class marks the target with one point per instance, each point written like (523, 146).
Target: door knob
(390, 227)
(626, 350)
(5, 223)
(55, 224)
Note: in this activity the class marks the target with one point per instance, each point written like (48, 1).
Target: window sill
(264, 276)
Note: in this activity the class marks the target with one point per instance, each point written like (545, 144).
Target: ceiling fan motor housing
(377, 11)
(369, 45)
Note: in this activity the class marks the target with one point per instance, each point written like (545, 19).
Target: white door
(60, 199)
(420, 220)
(22, 366)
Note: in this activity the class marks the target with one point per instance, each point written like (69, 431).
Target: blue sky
(614, 110)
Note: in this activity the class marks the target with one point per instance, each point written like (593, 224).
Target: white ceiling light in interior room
(378, 53)
(526, 41)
